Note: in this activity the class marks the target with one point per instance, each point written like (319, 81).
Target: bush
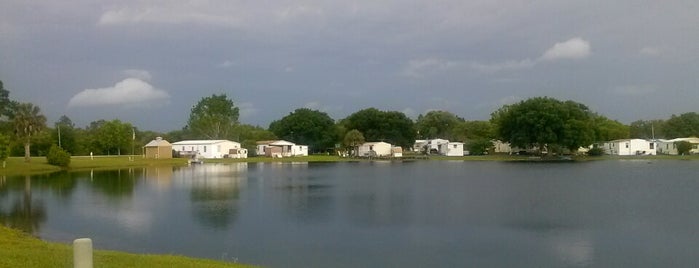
(683, 147)
(597, 151)
(58, 157)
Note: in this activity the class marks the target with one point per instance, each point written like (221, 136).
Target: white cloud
(575, 48)
(129, 92)
(138, 73)
(649, 51)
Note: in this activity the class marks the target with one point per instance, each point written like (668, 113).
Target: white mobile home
(670, 146)
(210, 149)
(452, 149)
(280, 148)
(375, 149)
(629, 147)
(439, 146)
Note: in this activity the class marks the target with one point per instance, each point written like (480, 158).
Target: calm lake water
(626, 213)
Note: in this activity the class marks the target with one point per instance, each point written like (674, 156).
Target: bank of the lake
(38, 165)
(22, 250)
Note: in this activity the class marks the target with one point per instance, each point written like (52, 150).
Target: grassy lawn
(22, 250)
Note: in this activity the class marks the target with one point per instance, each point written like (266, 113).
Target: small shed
(158, 148)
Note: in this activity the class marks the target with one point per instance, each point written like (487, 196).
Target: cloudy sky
(148, 62)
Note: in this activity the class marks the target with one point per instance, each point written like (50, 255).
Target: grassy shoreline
(38, 165)
(22, 250)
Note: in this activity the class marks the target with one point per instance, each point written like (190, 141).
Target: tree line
(535, 122)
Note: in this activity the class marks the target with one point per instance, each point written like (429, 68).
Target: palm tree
(27, 120)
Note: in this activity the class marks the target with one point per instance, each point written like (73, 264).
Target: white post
(82, 253)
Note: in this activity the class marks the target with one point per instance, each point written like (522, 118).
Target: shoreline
(15, 166)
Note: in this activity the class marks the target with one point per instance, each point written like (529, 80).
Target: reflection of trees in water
(306, 199)
(214, 194)
(114, 183)
(25, 213)
(215, 207)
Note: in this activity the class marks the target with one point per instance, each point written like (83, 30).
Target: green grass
(22, 250)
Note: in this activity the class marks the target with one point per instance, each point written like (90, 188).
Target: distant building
(158, 149)
(280, 148)
(439, 146)
(210, 149)
(374, 149)
(670, 146)
(629, 147)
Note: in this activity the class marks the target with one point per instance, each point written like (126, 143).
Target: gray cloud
(272, 57)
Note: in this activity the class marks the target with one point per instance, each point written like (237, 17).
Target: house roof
(275, 143)
(158, 142)
(200, 142)
(375, 142)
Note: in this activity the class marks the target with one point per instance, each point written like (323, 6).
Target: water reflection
(114, 183)
(301, 193)
(25, 213)
(214, 192)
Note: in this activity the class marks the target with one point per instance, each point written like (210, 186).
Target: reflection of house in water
(214, 191)
(161, 176)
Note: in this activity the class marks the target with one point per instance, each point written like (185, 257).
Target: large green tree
(4, 148)
(353, 139)
(607, 129)
(437, 124)
(5, 102)
(647, 129)
(65, 134)
(112, 137)
(545, 122)
(249, 135)
(682, 126)
(306, 126)
(477, 136)
(390, 126)
(213, 117)
(27, 121)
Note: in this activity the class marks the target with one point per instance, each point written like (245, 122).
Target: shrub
(58, 157)
(597, 151)
(683, 147)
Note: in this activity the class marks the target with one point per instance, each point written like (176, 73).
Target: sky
(148, 62)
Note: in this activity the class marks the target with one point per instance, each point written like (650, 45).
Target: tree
(4, 148)
(543, 121)
(249, 135)
(65, 134)
(437, 124)
(682, 126)
(393, 127)
(353, 139)
(5, 102)
(607, 129)
(213, 117)
(683, 147)
(477, 136)
(27, 121)
(646, 129)
(306, 126)
(107, 137)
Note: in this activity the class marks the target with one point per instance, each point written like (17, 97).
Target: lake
(615, 213)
